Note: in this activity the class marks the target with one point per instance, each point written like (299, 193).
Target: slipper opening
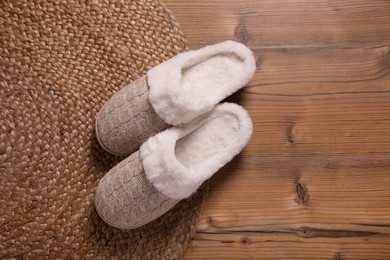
(211, 75)
(209, 139)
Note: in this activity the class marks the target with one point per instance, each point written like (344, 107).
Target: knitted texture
(128, 119)
(60, 62)
(125, 197)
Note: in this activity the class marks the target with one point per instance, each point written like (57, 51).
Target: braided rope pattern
(60, 62)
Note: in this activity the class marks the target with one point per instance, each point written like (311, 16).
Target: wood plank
(286, 195)
(271, 23)
(330, 119)
(285, 245)
(289, 65)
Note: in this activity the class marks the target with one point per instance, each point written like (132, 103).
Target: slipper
(171, 166)
(173, 93)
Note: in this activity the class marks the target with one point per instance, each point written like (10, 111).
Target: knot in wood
(305, 232)
(303, 196)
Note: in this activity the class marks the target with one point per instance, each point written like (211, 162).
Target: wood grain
(314, 180)
(276, 23)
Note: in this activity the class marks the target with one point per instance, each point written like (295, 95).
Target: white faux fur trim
(178, 181)
(176, 105)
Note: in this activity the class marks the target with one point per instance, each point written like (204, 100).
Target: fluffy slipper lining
(192, 83)
(178, 160)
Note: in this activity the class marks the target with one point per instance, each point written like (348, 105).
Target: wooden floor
(314, 181)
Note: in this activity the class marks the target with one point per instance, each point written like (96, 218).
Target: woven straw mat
(60, 61)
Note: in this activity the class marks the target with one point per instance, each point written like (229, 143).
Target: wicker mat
(59, 62)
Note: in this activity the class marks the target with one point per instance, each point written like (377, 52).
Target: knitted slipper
(172, 93)
(171, 166)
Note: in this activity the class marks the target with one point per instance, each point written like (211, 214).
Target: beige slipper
(171, 166)
(173, 93)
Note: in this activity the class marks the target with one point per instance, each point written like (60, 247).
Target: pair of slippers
(172, 163)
